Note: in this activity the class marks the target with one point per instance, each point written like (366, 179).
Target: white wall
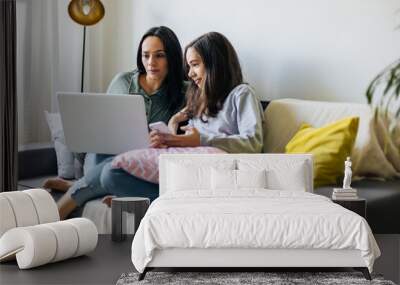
(312, 49)
(49, 50)
(70, 35)
(110, 45)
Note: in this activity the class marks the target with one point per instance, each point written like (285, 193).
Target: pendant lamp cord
(83, 58)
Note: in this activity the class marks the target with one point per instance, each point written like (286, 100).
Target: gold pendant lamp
(86, 12)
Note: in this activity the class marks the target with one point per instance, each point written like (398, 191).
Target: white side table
(135, 205)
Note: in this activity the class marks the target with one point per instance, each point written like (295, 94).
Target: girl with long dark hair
(223, 111)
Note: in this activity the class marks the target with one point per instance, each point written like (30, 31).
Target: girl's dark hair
(174, 80)
(223, 73)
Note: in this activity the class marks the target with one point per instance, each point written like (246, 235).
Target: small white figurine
(347, 174)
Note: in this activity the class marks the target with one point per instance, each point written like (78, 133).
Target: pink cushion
(143, 163)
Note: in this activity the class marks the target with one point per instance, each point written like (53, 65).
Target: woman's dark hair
(173, 50)
(223, 73)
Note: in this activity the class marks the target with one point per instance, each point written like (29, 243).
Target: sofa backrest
(284, 171)
(284, 117)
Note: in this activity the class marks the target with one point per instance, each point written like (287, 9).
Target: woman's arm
(120, 83)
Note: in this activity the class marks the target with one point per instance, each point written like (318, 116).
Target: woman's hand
(191, 138)
(181, 116)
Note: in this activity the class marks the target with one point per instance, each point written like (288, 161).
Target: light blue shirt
(238, 127)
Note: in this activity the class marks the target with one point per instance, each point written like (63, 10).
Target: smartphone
(160, 126)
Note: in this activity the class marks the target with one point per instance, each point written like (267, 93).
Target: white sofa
(283, 118)
(377, 163)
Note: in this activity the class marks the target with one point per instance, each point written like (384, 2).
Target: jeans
(101, 180)
(92, 159)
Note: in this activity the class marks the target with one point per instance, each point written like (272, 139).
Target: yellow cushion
(330, 145)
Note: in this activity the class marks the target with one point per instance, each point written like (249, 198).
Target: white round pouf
(67, 240)
(7, 220)
(46, 207)
(23, 208)
(87, 234)
(40, 244)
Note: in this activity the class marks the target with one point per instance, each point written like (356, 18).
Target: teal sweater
(155, 104)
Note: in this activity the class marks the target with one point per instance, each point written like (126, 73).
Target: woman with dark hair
(159, 79)
(173, 79)
(223, 111)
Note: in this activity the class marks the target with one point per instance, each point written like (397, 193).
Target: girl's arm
(176, 119)
(249, 120)
(190, 139)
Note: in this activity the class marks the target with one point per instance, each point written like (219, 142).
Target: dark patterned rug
(273, 278)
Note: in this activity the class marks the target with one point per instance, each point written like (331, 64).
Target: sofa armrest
(36, 160)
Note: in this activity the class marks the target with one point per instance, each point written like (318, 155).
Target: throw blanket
(143, 163)
(257, 218)
(382, 156)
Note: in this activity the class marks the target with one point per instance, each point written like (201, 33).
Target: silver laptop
(103, 123)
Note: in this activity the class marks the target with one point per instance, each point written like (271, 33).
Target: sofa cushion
(284, 117)
(330, 145)
(65, 158)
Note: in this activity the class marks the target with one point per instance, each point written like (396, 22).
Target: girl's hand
(191, 138)
(173, 123)
(157, 139)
